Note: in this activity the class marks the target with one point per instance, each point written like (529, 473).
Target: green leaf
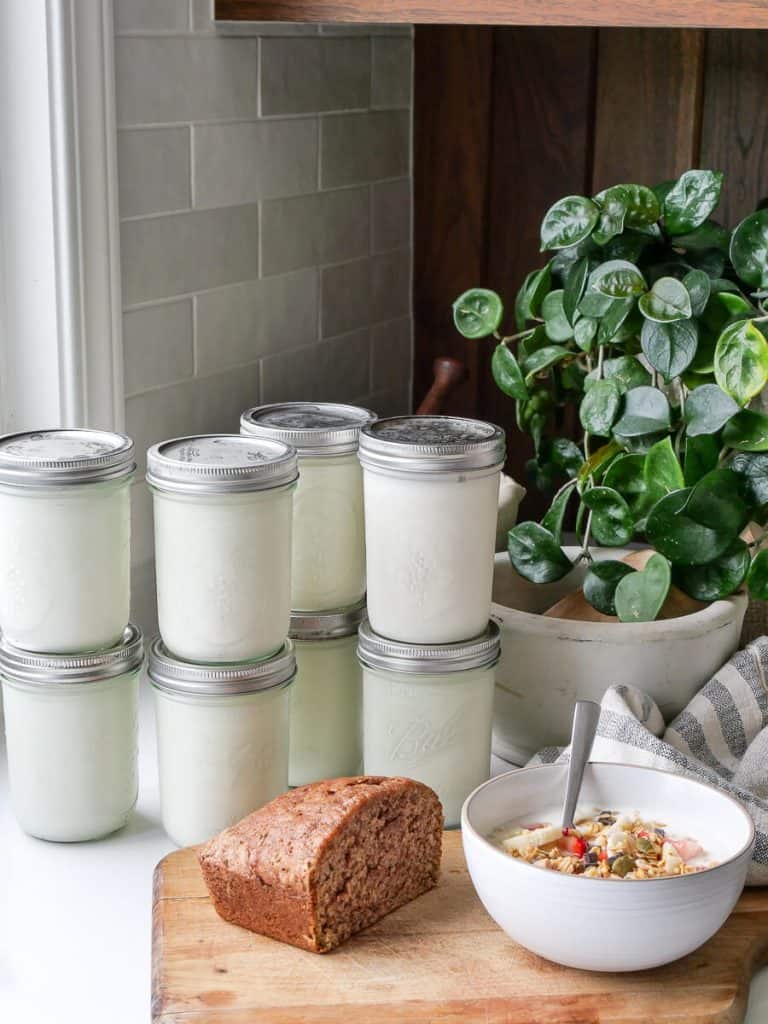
(532, 343)
(662, 472)
(646, 411)
(709, 235)
(708, 409)
(692, 199)
(716, 501)
(613, 211)
(612, 520)
(741, 361)
(543, 359)
(698, 286)
(667, 301)
(747, 431)
(627, 371)
(555, 321)
(701, 456)
(601, 581)
(600, 407)
(680, 538)
(594, 304)
(711, 262)
(536, 555)
(640, 596)
(507, 373)
(531, 295)
(719, 578)
(662, 190)
(625, 475)
(643, 207)
(614, 319)
(629, 245)
(568, 222)
(752, 467)
(618, 279)
(749, 249)
(669, 347)
(584, 332)
(477, 313)
(598, 462)
(555, 515)
(757, 577)
(575, 283)
(566, 456)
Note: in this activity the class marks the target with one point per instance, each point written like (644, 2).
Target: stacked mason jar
(428, 649)
(69, 658)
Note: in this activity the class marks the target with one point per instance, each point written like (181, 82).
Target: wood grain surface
(675, 13)
(440, 960)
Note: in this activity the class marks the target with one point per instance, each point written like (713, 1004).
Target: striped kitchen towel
(721, 737)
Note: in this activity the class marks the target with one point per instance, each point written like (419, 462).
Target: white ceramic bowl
(600, 924)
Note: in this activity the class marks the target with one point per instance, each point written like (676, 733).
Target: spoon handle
(586, 715)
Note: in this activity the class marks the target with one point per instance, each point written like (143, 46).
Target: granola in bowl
(605, 844)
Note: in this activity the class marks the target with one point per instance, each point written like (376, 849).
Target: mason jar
(431, 488)
(222, 739)
(65, 533)
(427, 712)
(326, 699)
(222, 506)
(328, 532)
(71, 732)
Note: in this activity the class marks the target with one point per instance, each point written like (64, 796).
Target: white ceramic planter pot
(547, 664)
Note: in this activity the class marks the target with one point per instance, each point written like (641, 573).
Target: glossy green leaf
(556, 323)
(708, 409)
(618, 279)
(757, 577)
(747, 431)
(477, 313)
(535, 553)
(568, 221)
(598, 462)
(669, 347)
(640, 596)
(697, 284)
(667, 301)
(507, 373)
(542, 359)
(614, 319)
(692, 199)
(741, 361)
(662, 190)
(555, 515)
(681, 539)
(662, 471)
(719, 578)
(646, 411)
(701, 456)
(575, 284)
(749, 249)
(643, 207)
(532, 343)
(566, 455)
(531, 295)
(594, 304)
(600, 407)
(627, 371)
(601, 581)
(613, 212)
(709, 235)
(752, 467)
(716, 501)
(629, 245)
(612, 521)
(584, 332)
(625, 475)
(711, 262)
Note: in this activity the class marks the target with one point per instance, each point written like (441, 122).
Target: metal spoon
(586, 715)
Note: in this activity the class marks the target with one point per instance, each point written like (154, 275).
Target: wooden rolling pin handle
(448, 373)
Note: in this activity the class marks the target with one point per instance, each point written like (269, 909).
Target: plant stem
(725, 454)
(585, 553)
(600, 355)
(515, 337)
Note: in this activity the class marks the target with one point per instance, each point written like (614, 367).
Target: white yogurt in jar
(222, 735)
(222, 506)
(65, 530)
(71, 732)
(431, 495)
(328, 533)
(427, 712)
(326, 698)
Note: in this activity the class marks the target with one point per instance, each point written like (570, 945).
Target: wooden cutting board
(440, 959)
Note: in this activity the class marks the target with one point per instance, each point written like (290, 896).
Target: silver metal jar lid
(177, 676)
(43, 458)
(84, 667)
(428, 659)
(325, 625)
(220, 464)
(432, 444)
(313, 428)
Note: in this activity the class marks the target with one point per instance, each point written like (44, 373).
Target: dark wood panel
(543, 107)
(647, 116)
(680, 13)
(452, 109)
(735, 119)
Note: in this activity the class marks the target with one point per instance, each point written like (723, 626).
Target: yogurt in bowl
(596, 922)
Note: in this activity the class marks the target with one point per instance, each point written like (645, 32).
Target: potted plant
(651, 318)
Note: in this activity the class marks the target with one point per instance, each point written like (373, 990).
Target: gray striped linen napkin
(721, 737)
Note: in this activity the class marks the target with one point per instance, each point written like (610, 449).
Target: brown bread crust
(323, 861)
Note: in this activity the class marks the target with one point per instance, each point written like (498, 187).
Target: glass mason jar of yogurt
(71, 731)
(222, 736)
(328, 533)
(431, 495)
(326, 699)
(222, 507)
(427, 712)
(65, 533)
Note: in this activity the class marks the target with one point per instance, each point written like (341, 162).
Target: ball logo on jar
(421, 738)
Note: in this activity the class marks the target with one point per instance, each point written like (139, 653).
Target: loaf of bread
(321, 862)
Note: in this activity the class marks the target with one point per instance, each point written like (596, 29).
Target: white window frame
(60, 302)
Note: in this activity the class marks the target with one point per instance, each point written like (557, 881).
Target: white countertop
(75, 919)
